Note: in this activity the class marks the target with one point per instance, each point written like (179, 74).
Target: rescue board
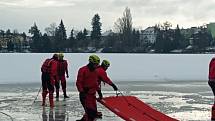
(131, 108)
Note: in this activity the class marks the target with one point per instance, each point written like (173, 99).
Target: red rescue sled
(131, 108)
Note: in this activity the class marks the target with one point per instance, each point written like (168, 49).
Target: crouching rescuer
(49, 72)
(87, 85)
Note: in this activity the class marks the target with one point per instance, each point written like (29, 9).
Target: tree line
(124, 38)
(55, 39)
(172, 39)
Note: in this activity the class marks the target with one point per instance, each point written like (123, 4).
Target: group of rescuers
(88, 82)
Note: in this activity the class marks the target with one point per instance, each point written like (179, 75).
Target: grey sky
(77, 14)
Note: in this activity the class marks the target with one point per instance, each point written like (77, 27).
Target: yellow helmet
(60, 55)
(94, 59)
(105, 63)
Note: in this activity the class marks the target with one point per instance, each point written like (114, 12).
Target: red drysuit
(87, 85)
(48, 79)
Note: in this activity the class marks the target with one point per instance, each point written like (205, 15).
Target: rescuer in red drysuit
(102, 77)
(49, 72)
(211, 82)
(62, 70)
(211, 75)
(87, 85)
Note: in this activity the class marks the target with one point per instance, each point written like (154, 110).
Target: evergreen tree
(85, 33)
(25, 44)
(85, 40)
(15, 32)
(10, 46)
(24, 35)
(159, 44)
(96, 30)
(71, 41)
(202, 39)
(8, 33)
(135, 38)
(168, 41)
(36, 37)
(0, 46)
(72, 34)
(2, 34)
(80, 35)
(111, 43)
(165, 38)
(46, 42)
(60, 37)
(177, 38)
(81, 39)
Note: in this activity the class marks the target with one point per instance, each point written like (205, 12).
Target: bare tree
(124, 24)
(50, 31)
(124, 27)
(166, 25)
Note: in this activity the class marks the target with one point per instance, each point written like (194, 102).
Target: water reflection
(56, 114)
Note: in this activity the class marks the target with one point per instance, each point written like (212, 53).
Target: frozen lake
(175, 84)
(185, 101)
(25, 68)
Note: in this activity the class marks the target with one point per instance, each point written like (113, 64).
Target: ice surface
(19, 68)
(184, 105)
(174, 84)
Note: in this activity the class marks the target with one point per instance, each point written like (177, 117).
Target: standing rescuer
(49, 72)
(211, 83)
(211, 76)
(87, 86)
(62, 70)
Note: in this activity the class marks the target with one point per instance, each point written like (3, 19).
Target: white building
(148, 36)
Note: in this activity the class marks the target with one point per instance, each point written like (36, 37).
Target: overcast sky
(77, 14)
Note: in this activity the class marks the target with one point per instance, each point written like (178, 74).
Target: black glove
(100, 94)
(114, 87)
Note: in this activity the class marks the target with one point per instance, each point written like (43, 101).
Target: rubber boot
(57, 93)
(51, 101)
(44, 93)
(213, 113)
(65, 95)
